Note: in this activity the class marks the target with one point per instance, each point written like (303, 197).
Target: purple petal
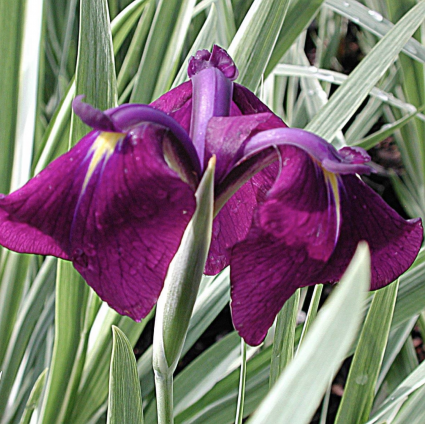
(227, 135)
(247, 102)
(211, 96)
(294, 232)
(394, 242)
(349, 161)
(306, 233)
(118, 215)
(177, 103)
(218, 59)
(37, 218)
(232, 223)
(93, 117)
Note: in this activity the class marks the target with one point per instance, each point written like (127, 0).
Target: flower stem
(242, 380)
(175, 305)
(164, 397)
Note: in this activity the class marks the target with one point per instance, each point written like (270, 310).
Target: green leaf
(255, 39)
(388, 129)
(125, 400)
(346, 100)
(411, 291)
(219, 404)
(155, 50)
(93, 390)
(30, 310)
(300, 14)
(134, 53)
(284, 337)
(13, 279)
(28, 93)
(204, 40)
(168, 71)
(34, 398)
(127, 19)
(359, 389)
(71, 294)
(95, 73)
(209, 304)
(299, 390)
(375, 23)
(11, 33)
(413, 382)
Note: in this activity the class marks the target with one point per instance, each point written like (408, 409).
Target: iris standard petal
(118, 213)
(226, 137)
(294, 232)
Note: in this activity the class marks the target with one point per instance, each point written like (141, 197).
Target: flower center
(102, 149)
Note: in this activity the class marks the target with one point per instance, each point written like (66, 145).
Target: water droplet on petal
(346, 4)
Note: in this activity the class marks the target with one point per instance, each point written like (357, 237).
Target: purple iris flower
(289, 207)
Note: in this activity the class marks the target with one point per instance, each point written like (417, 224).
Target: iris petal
(121, 226)
(306, 233)
(293, 234)
(393, 241)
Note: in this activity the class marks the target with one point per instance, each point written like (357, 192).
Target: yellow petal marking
(332, 182)
(102, 149)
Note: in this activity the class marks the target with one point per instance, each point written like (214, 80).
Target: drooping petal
(114, 207)
(129, 224)
(306, 233)
(37, 218)
(233, 222)
(294, 233)
(394, 242)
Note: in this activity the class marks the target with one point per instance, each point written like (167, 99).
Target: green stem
(242, 380)
(164, 397)
(175, 305)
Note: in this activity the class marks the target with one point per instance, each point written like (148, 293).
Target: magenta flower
(290, 208)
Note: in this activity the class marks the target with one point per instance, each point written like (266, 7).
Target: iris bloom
(289, 207)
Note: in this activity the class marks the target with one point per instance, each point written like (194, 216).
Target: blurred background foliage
(56, 338)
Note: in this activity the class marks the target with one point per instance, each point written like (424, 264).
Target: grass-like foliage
(60, 345)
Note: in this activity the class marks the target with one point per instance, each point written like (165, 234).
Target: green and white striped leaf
(255, 39)
(359, 389)
(346, 100)
(125, 400)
